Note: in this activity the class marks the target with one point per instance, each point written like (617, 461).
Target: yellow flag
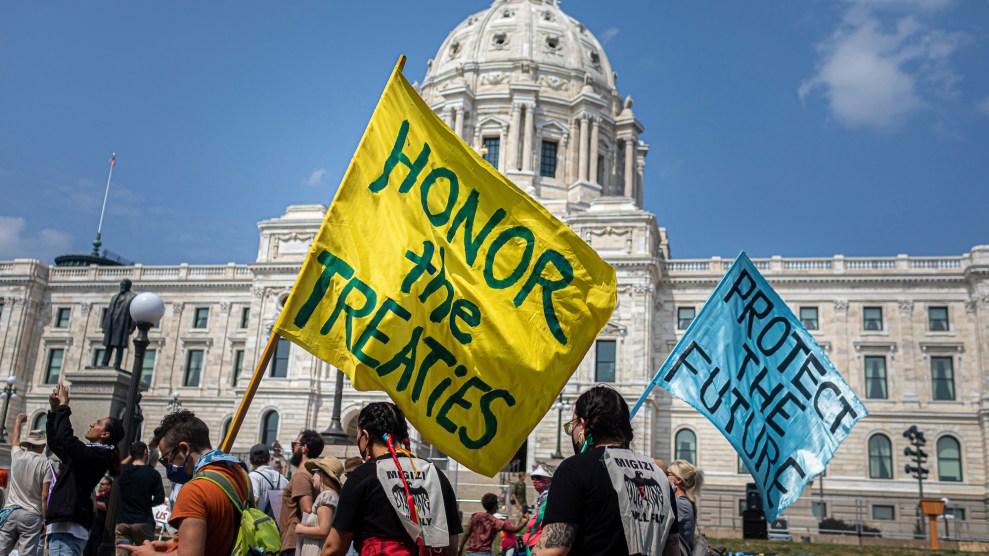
(437, 280)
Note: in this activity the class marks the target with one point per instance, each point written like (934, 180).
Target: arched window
(949, 459)
(225, 428)
(685, 445)
(880, 457)
(40, 421)
(269, 427)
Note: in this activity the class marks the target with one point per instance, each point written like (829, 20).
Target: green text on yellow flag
(437, 280)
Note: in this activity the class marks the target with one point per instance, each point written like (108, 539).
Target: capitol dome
(532, 89)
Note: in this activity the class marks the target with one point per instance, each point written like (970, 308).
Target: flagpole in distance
(252, 388)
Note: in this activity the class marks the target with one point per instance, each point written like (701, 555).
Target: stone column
(513, 138)
(448, 117)
(629, 167)
(527, 151)
(502, 149)
(593, 177)
(458, 126)
(561, 157)
(582, 160)
(572, 155)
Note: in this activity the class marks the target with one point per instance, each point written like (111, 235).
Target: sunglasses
(163, 460)
(569, 427)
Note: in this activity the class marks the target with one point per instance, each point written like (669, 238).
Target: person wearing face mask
(687, 480)
(206, 519)
(70, 510)
(298, 496)
(607, 499)
(374, 510)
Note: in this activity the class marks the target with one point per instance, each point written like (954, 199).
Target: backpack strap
(227, 487)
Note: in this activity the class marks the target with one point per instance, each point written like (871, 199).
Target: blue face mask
(177, 473)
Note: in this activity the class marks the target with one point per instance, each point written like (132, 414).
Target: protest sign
(437, 280)
(749, 366)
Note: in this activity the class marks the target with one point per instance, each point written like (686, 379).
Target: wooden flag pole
(252, 388)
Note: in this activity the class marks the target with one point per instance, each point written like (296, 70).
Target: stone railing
(140, 273)
(834, 265)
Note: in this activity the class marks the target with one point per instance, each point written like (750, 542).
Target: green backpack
(258, 534)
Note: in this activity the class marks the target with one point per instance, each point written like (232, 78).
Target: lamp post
(559, 406)
(146, 309)
(9, 392)
(334, 434)
(174, 405)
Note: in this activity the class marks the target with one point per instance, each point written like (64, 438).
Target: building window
(875, 377)
(98, 357)
(949, 459)
(245, 317)
(943, 378)
(279, 363)
(62, 315)
(224, 429)
(742, 468)
(200, 318)
(937, 319)
(685, 316)
(808, 318)
(547, 160)
(40, 422)
(955, 513)
(492, 145)
(238, 366)
(54, 368)
(819, 509)
(880, 457)
(872, 318)
(1, 309)
(269, 428)
(604, 364)
(883, 512)
(193, 367)
(686, 445)
(148, 368)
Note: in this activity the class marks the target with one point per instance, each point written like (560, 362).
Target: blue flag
(749, 366)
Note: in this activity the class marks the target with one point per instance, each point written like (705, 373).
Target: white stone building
(533, 90)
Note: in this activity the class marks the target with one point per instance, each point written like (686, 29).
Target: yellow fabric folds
(435, 279)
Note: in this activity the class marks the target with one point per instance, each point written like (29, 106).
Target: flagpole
(252, 388)
(644, 396)
(99, 229)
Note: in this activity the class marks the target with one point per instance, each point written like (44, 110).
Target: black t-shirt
(365, 510)
(140, 490)
(582, 495)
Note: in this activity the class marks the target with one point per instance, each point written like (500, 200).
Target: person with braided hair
(393, 504)
(607, 499)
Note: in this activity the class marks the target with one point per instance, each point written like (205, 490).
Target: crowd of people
(606, 499)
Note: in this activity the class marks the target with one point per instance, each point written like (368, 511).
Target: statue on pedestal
(118, 324)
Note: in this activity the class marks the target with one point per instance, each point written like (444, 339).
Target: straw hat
(327, 465)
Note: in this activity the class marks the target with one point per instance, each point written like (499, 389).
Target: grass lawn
(752, 546)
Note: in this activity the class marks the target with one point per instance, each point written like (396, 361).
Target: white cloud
(608, 34)
(44, 245)
(983, 106)
(315, 178)
(884, 64)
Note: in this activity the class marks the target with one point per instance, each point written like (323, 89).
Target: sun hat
(541, 471)
(327, 465)
(36, 437)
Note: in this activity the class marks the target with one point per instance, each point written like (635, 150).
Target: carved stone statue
(118, 324)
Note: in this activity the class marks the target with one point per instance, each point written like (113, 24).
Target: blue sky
(794, 128)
